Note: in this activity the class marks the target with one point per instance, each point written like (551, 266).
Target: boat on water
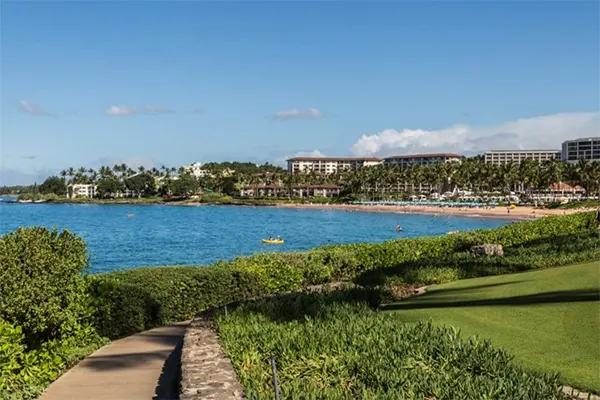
(273, 241)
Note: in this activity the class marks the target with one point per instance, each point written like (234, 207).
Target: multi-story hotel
(583, 148)
(500, 157)
(328, 165)
(422, 159)
(81, 190)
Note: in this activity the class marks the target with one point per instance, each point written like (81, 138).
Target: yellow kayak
(272, 241)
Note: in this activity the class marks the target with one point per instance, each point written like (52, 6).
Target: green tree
(55, 185)
(185, 186)
(109, 187)
(141, 184)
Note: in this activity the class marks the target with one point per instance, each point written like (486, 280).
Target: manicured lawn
(548, 319)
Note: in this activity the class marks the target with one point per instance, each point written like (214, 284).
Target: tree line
(375, 182)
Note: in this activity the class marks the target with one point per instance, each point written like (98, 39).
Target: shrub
(135, 300)
(333, 346)
(41, 286)
(24, 373)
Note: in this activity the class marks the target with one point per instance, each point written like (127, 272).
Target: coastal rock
(206, 372)
(488, 250)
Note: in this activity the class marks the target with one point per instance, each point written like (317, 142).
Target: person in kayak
(279, 238)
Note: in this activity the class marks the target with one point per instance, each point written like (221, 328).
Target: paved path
(144, 366)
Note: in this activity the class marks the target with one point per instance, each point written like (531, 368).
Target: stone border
(206, 372)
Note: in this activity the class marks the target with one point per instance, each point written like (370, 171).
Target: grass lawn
(548, 319)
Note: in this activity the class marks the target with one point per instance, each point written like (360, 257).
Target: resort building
(328, 165)
(421, 159)
(583, 148)
(500, 157)
(297, 191)
(81, 190)
(197, 170)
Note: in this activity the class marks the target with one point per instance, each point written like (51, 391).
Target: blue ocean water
(182, 235)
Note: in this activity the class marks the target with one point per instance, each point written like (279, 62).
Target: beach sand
(498, 212)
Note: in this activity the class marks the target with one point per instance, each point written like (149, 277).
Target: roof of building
(582, 139)
(524, 151)
(565, 186)
(432, 155)
(334, 159)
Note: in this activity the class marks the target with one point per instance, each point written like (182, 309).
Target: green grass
(549, 319)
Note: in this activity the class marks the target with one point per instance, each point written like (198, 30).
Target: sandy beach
(498, 212)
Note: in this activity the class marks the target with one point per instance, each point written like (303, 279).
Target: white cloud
(157, 110)
(31, 109)
(542, 132)
(120, 111)
(294, 113)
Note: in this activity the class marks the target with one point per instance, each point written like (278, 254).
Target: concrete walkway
(144, 366)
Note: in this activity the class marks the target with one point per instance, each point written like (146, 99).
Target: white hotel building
(421, 159)
(583, 148)
(328, 165)
(500, 157)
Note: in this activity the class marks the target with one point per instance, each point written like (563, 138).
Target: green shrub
(135, 300)
(24, 373)
(41, 286)
(333, 346)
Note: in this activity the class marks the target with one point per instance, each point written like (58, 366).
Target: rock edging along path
(206, 372)
(139, 367)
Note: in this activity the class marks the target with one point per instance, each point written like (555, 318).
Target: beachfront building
(197, 170)
(582, 148)
(501, 157)
(81, 190)
(297, 191)
(421, 159)
(328, 165)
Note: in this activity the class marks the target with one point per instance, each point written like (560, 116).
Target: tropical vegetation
(52, 313)
(335, 346)
(374, 182)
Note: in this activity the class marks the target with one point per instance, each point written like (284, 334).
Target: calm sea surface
(172, 235)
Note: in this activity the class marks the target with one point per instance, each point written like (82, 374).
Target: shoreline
(518, 213)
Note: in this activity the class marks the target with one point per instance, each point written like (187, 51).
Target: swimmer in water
(398, 228)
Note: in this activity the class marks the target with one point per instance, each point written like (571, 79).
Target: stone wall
(206, 372)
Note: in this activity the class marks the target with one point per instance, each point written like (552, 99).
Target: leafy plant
(333, 346)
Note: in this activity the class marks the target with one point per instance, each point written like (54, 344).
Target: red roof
(433, 155)
(565, 186)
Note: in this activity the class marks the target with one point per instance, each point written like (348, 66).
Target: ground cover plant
(549, 319)
(335, 346)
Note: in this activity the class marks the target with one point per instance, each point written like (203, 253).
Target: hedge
(134, 300)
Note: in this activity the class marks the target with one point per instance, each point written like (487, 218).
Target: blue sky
(86, 83)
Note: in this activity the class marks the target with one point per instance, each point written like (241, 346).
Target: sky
(149, 83)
